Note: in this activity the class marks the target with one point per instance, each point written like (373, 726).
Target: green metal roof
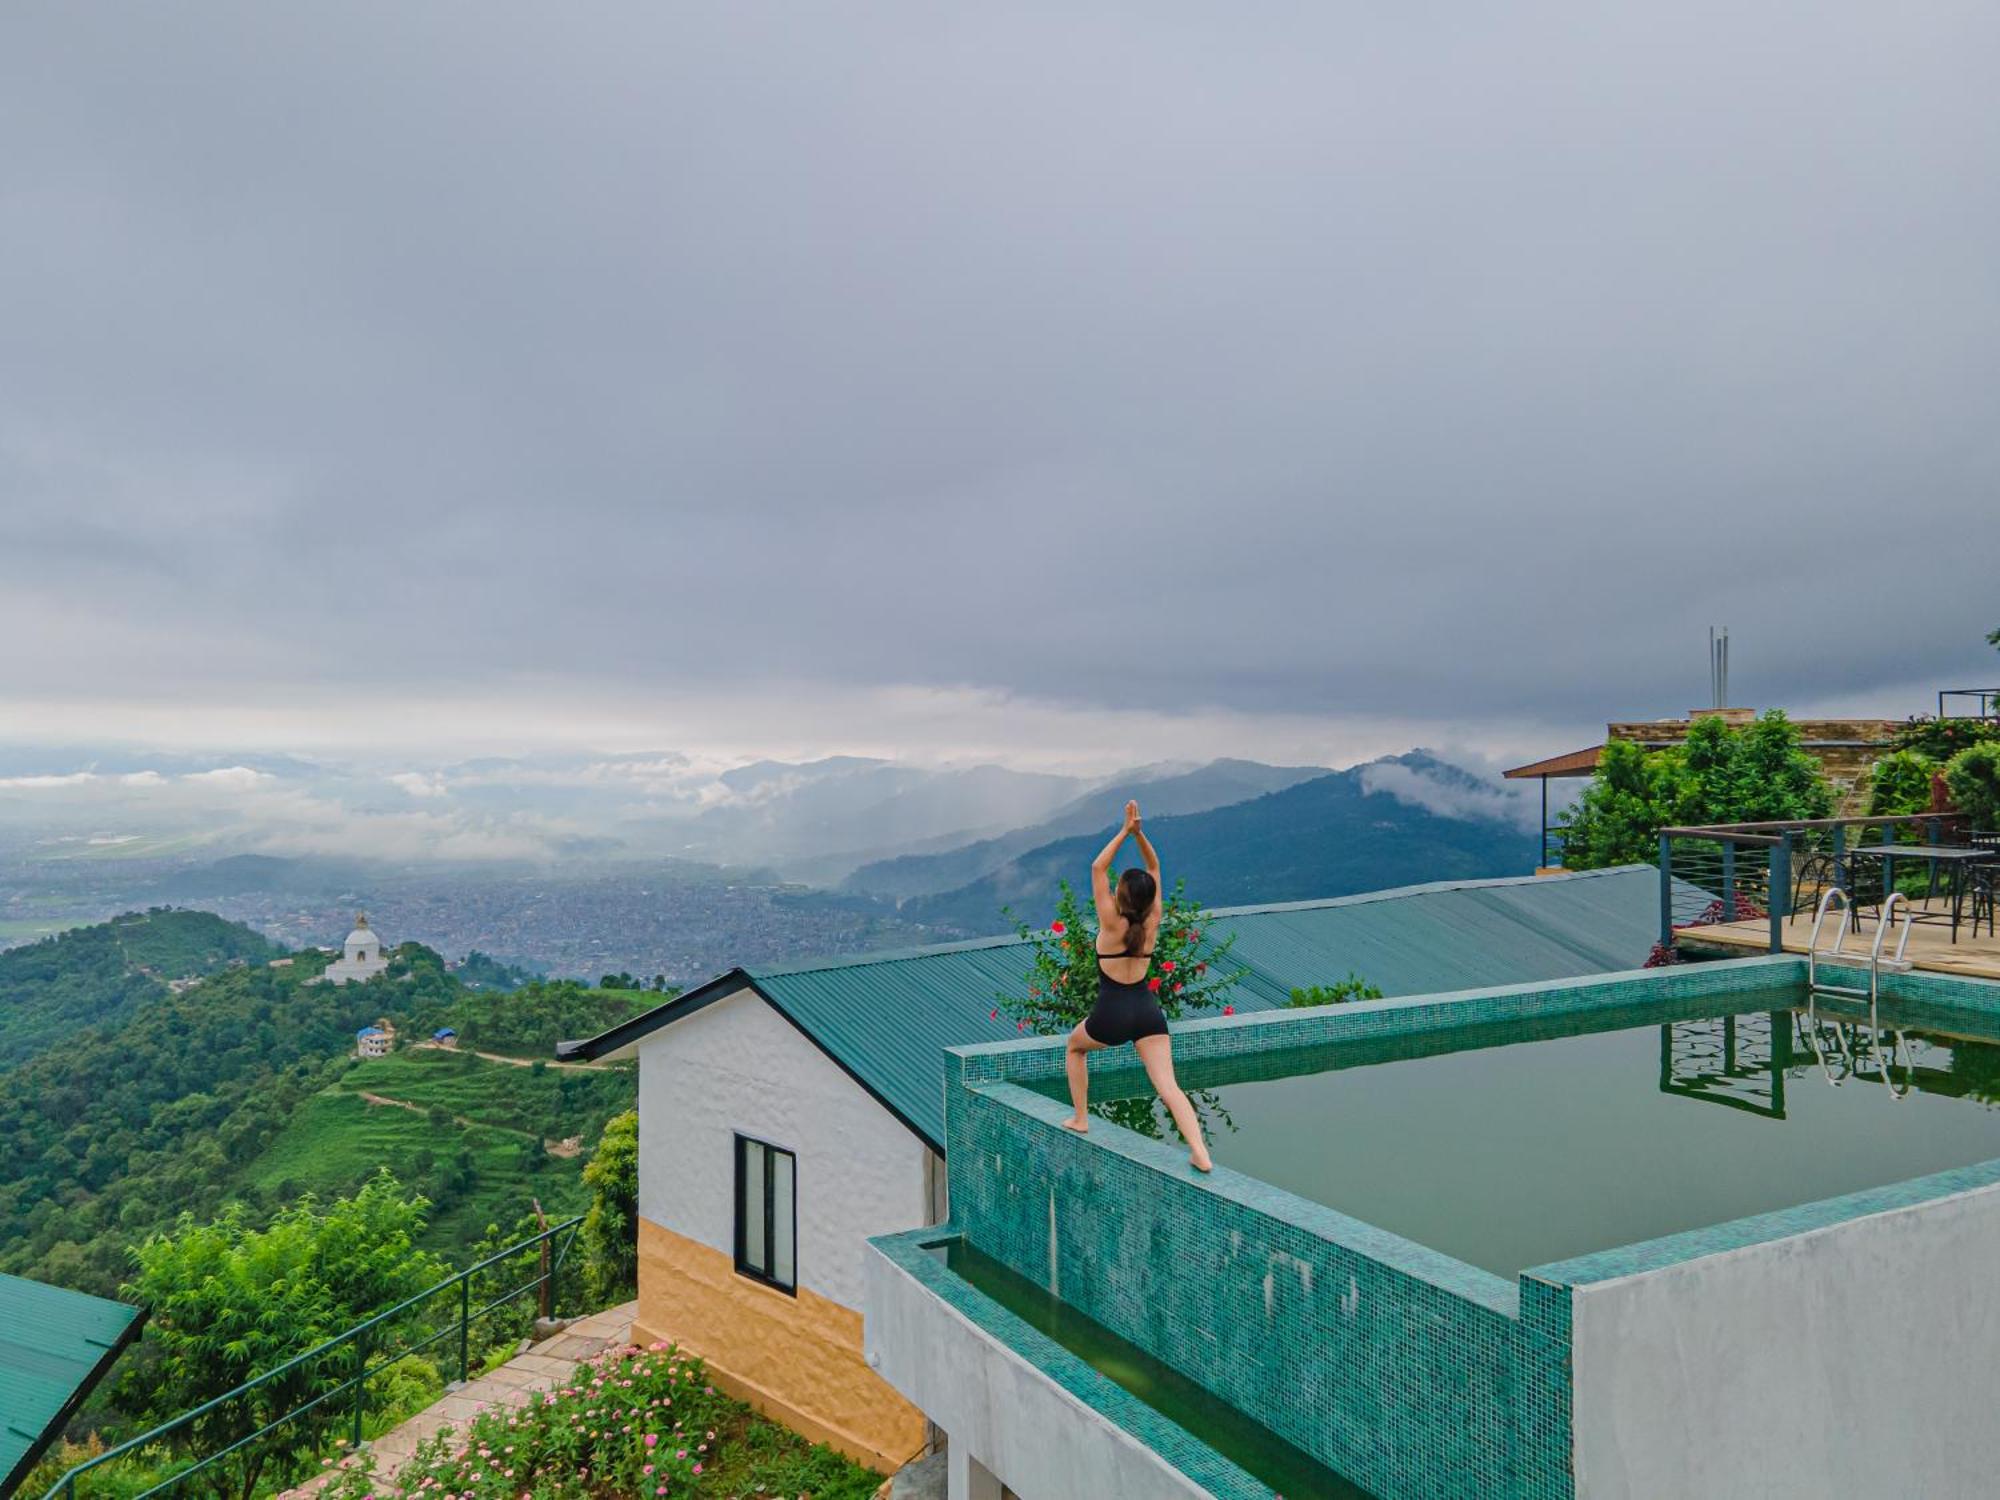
(54, 1346)
(887, 1018)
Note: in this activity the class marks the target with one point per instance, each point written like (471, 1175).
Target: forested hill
(1330, 836)
(92, 976)
(245, 1088)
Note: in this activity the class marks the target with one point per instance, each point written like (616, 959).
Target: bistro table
(1957, 861)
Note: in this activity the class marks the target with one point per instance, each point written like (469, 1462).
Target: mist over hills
(1217, 784)
(1398, 821)
(658, 864)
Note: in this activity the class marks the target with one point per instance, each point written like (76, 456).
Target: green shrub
(633, 1422)
(1900, 783)
(1973, 778)
(1353, 987)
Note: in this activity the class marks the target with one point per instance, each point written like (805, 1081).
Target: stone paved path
(544, 1367)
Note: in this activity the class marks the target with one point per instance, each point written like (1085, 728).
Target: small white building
(360, 959)
(373, 1041)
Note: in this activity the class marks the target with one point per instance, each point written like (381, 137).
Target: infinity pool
(1519, 1144)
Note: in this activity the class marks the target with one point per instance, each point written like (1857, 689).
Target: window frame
(743, 1145)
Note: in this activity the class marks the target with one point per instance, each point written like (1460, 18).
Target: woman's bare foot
(1079, 1125)
(1198, 1159)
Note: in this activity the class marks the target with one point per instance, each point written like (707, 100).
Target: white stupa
(360, 957)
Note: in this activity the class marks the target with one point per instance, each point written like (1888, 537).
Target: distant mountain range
(1217, 784)
(1366, 828)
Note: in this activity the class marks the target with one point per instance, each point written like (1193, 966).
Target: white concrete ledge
(998, 1409)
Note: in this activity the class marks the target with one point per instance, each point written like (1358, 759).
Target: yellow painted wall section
(796, 1359)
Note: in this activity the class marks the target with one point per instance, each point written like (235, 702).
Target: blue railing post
(464, 1326)
(360, 1388)
(1666, 891)
(1780, 895)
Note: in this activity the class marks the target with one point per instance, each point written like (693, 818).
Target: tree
(231, 1302)
(1759, 773)
(610, 1230)
(1973, 778)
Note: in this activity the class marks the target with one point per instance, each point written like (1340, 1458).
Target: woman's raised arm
(1100, 867)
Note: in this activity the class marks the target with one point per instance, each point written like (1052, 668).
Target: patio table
(1955, 859)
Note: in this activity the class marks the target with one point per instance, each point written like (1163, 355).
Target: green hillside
(245, 1088)
(95, 975)
(1330, 836)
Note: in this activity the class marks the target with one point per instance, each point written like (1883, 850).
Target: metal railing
(356, 1352)
(1769, 872)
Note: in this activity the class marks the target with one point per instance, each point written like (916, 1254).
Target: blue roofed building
(787, 1115)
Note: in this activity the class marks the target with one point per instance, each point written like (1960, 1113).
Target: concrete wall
(1857, 1358)
(1041, 1441)
(738, 1066)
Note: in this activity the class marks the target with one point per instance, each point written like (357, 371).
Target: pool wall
(1409, 1371)
(1868, 1322)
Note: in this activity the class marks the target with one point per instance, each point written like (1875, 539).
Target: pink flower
(1229, 1010)
(652, 1438)
(1020, 1025)
(995, 1014)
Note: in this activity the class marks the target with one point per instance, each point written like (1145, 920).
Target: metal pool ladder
(1873, 994)
(1876, 962)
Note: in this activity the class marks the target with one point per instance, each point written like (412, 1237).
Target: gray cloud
(1405, 364)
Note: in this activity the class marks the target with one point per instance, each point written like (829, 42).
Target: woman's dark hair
(1134, 897)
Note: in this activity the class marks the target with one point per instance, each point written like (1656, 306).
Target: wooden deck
(1930, 947)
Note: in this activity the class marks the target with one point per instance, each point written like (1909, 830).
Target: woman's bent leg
(1157, 1053)
(1081, 1043)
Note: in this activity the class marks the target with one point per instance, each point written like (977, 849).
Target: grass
(337, 1140)
(498, 1093)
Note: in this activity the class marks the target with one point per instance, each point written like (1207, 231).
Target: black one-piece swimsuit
(1124, 1012)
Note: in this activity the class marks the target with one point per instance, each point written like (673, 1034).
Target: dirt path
(521, 1062)
(568, 1147)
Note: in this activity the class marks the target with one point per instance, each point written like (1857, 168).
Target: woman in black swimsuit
(1128, 922)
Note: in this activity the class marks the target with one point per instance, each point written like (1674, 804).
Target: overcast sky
(1082, 382)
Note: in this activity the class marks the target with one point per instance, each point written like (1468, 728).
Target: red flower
(996, 1014)
(1153, 984)
(1168, 966)
(1057, 928)
(1020, 1025)
(1229, 1010)
(1202, 967)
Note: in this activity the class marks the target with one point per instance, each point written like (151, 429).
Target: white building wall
(737, 1066)
(1856, 1360)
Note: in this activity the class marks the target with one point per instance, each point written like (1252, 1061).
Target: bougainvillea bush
(642, 1423)
(1189, 973)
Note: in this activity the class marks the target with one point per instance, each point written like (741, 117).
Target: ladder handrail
(1819, 920)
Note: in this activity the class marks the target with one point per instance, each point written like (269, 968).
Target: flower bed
(633, 1422)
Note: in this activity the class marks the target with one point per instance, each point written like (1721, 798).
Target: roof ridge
(1422, 888)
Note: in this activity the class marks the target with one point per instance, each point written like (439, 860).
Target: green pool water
(1512, 1146)
(1247, 1443)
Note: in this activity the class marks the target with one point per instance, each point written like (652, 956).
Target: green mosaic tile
(1421, 1377)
